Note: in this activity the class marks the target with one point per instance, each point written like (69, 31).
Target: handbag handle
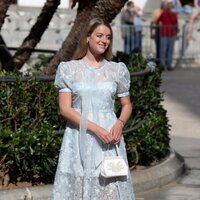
(116, 148)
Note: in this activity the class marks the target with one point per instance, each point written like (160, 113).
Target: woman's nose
(104, 39)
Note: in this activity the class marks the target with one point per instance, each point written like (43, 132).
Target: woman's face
(99, 40)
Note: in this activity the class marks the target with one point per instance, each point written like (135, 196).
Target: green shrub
(29, 156)
(29, 116)
(28, 104)
(149, 143)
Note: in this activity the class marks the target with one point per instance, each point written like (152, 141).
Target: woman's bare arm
(126, 110)
(70, 114)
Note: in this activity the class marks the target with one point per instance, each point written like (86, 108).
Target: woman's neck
(93, 60)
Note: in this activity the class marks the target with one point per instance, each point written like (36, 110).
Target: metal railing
(183, 48)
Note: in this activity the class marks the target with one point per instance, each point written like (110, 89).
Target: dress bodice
(98, 85)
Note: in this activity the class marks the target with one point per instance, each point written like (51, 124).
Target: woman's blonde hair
(83, 45)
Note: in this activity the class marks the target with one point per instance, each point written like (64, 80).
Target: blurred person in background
(138, 24)
(177, 6)
(168, 22)
(193, 16)
(155, 29)
(127, 29)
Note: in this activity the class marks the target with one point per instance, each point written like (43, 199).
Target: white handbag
(114, 166)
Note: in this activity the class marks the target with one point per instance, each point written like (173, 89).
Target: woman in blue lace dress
(88, 86)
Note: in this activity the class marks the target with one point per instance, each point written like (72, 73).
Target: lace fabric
(93, 95)
(101, 189)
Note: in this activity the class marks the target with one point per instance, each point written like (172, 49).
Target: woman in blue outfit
(193, 16)
(87, 88)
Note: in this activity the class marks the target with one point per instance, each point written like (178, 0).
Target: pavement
(165, 181)
(182, 102)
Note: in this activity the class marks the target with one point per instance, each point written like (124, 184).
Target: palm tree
(36, 32)
(4, 5)
(86, 11)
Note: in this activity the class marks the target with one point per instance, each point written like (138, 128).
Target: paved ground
(182, 101)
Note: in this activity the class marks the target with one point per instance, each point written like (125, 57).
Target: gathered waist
(106, 110)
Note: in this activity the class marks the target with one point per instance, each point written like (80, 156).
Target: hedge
(29, 121)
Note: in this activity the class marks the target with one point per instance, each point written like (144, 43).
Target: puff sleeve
(123, 80)
(63, 77)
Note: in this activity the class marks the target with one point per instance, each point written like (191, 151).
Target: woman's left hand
(116, 131)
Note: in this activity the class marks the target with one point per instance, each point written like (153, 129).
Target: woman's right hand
(104, 135)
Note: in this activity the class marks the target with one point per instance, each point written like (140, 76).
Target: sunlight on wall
(40, 3)
(147, 5)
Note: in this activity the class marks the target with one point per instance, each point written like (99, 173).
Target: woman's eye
(106, 37)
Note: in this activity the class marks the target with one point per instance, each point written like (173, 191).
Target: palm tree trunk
(4, 5)
(25, 50)
(86, 11)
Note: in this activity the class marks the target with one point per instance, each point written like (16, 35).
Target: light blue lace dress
(93, 95)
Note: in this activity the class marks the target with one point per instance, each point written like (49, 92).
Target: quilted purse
(114, 166)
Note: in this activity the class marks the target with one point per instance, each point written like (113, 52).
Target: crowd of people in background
(163, 27)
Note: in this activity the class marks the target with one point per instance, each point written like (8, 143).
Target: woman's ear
(88, 38)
